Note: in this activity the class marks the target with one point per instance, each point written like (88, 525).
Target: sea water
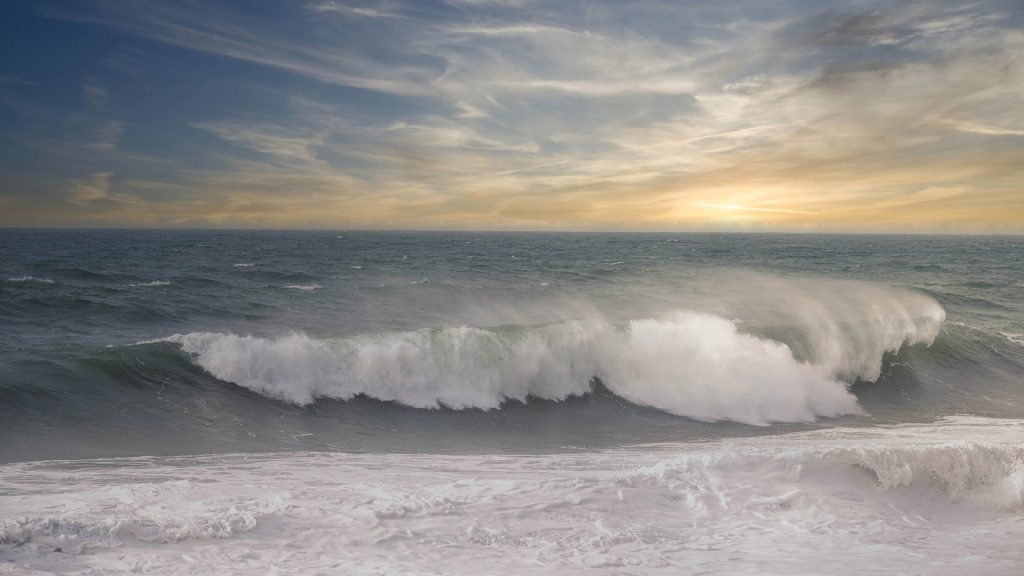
(400, 402)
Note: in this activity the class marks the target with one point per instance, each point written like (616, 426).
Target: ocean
(212, 402)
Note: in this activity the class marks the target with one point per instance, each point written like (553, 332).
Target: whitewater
(900, 499)
(483, 403)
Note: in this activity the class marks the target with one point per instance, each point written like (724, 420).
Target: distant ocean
(543, 403)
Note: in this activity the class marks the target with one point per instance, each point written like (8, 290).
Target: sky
(789, 115)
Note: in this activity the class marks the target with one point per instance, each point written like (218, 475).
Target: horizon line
(499, 231)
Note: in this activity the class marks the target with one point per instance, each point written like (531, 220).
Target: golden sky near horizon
(473, 114)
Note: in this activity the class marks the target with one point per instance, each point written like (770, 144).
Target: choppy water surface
(897, 361)
(141, 343)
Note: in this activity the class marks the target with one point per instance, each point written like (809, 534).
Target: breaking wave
(691, 364)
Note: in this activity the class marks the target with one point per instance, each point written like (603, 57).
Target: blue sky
(513, 114)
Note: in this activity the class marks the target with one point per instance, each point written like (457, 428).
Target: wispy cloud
(367, 10)
(94, 187)
(105, 136)
(95, 95)
(491, 113)
(228, 34)
(284, 143)
(507, 172)
(978, 128)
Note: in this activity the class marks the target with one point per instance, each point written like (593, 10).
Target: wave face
(899, 499)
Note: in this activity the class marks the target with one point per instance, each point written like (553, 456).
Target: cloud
(976, 128)
(353, 9)
(95, 186)
(105, 136)
(95, 95)
(284, 143)
(213, 30)
(598, 115)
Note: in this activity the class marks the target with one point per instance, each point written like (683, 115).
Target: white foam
(1017, 339)
(304, 287)
(103, 516)
(28, 278)
(153, 283)
(244, 265)
(940, 499)
(701, 366)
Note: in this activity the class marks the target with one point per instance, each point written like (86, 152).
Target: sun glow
(741, 208)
